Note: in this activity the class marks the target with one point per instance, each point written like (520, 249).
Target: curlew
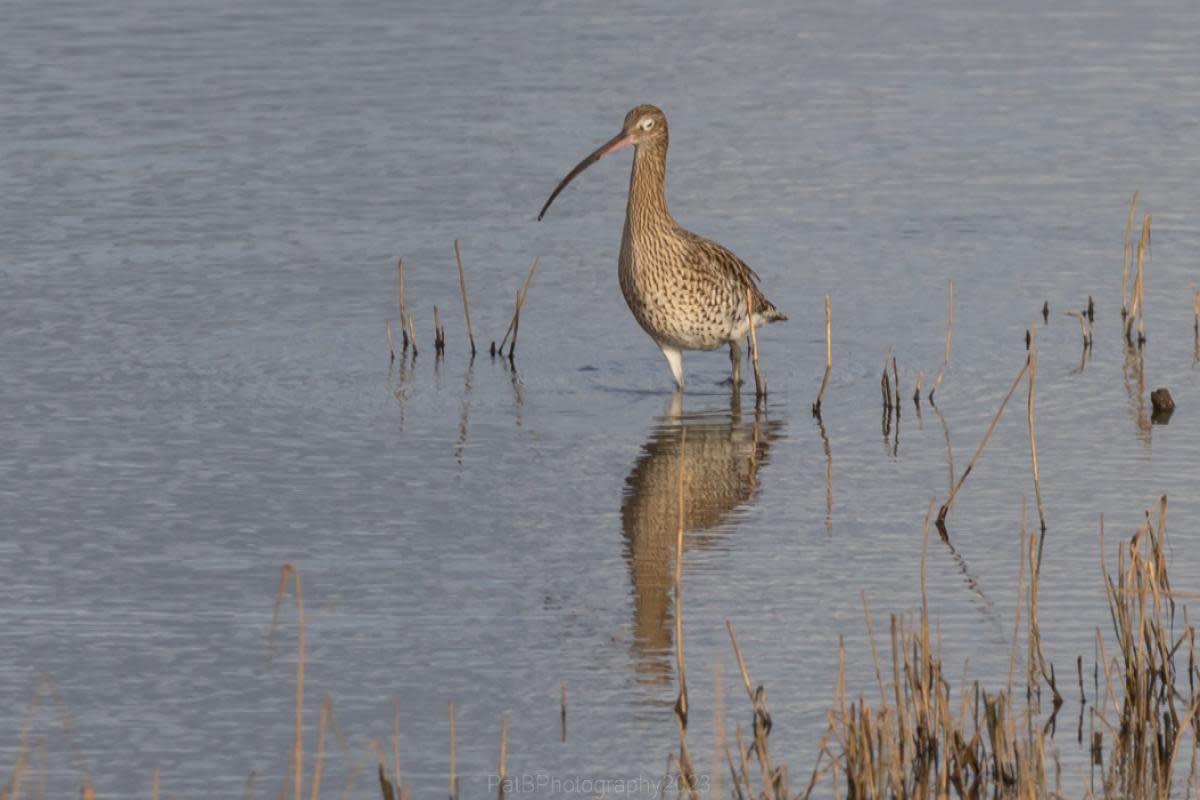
(687, 292)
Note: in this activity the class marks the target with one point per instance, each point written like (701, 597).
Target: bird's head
(644, 125)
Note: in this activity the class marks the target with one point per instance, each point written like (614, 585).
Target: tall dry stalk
(1138, 311)
(1125, 259)
(286, 572)
(516, 318)
(502, 766)
(949, 331)
(405, 323)
(462, 285)
(1031, 369)
(941, 518)
(816, 409)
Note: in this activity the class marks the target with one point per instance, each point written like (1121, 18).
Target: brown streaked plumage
(687, 292)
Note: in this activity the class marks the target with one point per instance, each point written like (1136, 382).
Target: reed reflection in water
(720, 462)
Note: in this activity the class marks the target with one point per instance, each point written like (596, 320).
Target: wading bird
(687, 292)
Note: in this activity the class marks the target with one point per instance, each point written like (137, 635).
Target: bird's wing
(707, 256)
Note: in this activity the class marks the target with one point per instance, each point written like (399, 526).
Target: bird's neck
(647, 191)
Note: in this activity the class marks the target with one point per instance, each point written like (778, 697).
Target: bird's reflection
(720, 459)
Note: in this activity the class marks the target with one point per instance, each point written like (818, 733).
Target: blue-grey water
(203, 207)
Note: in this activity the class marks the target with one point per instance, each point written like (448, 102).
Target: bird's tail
(769, 313)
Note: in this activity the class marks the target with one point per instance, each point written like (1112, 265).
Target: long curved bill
(615, 143)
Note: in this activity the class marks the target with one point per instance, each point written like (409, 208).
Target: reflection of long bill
(615, 143)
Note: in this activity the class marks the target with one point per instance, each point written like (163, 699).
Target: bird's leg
(675, 361)
(735, 363)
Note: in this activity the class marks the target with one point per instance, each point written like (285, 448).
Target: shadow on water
(720, 463)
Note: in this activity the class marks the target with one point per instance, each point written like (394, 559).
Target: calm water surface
(203, 207)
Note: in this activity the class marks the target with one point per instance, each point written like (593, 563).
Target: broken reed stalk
(1137, 309)
(439, 337)
(949, 330)
(512, 325)
(816, 409)
(1143, 248)
(1195, 309)
(391, 347)
(453, 754)
(917, 391)
(405, 325)
(502, 768)
(562, 711)
(1031, 368)
(760, 383)
(288, 570)
(1085, 329)
(896, 382)
(687, 773)
(1125, 259)
(412, 334)
(771, 779)
(941, 518)
(462, 285)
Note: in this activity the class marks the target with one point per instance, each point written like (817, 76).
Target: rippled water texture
(203, 207)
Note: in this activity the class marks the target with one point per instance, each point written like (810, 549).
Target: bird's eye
(647, 123)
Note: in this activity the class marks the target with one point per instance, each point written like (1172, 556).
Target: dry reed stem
(1143, 248)
(1031, 368)
(562, 711)
(154, 786)
(453, 753)
(517, 312)
(917, 391)
(762, 719)
(396, 747)
(896, 383)
(885, 385)
(760, 385)
(1137, 311)
(404, 321)
(816, 409)
(412, 335)
(1125, 259)
(439, 341)
(1085, 328)
(462, 285)
(502, 768)
(979, 450)
(319, 759)
(288, 570)
(391, 347)
(949, 330)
